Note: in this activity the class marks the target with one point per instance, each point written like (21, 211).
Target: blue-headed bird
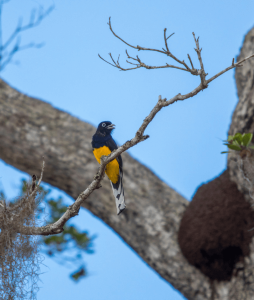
(103, 144)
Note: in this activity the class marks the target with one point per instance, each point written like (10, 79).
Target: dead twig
(144, 65)
(201, 72)
(34, 190)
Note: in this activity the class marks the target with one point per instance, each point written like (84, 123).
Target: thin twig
(144, 65)
(31, 195)
(170, 35)
(191, 62)
(202, 73)
(31, 24)
(106, 61)
(171, 55)
(239, 64)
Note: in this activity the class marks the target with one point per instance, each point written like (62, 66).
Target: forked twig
(144, 65)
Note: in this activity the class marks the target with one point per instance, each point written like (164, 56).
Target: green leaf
(224, 152)
(235, 147)
(78, 274)
(238, 138)
(238, 134)
(252, 147)
(230, 138)
(235, 142)
(247, 139)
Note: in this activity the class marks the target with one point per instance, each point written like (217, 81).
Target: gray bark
(242, 120)
(30, 129)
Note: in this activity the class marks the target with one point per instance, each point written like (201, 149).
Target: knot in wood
(145, 137)
(194, 72)
(138, 134)
(96, 176)
(73, 211)
(162, 101)
(128, 143)
(204, 85)
(46, 230)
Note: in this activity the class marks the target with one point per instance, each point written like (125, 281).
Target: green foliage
(78, 274)
(69, 246)
(247, 139)
(71, 234)
(239, 142)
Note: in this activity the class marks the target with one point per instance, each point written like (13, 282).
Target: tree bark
(242, 120)
(31, 128)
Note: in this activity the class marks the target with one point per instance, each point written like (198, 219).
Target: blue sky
(185, 138)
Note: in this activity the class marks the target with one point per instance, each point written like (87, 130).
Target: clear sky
(185, 138)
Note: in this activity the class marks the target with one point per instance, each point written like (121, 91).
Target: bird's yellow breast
(112, 169)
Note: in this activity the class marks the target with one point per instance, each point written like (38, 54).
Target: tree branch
(33, 23)
(234, 65)
(7, 55)
(73, 210)
(201, 72)
(141, 64)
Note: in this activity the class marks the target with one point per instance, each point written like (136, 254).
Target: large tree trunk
(30, 129)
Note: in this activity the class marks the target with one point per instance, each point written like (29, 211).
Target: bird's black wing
(117, 187)
(112, 146)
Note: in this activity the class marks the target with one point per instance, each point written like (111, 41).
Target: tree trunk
(30, 129)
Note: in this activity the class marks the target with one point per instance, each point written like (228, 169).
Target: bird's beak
(111, 126)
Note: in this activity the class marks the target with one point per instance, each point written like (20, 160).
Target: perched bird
(103, 144)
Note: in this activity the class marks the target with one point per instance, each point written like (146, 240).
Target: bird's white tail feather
(119, 193)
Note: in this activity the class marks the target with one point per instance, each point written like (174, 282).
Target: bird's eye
(103, 124)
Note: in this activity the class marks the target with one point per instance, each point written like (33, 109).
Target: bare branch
(202, 73)
(191, 62)
(6, 55)
(33, 23)
(106, 61)
(234, 65)
(141, 64)
(33, 183)
(34, 190)
(170, 35)
(171, 55)
(6, 59)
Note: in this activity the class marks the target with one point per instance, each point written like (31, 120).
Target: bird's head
(105, 127)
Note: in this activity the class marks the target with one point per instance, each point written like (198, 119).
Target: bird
(103, 144)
